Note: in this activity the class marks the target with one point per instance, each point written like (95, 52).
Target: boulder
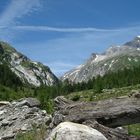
(31, 102)
(74, 131)
(103, 116)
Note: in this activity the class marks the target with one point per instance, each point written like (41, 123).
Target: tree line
(12, 88)
(9, 78)
(121, 78)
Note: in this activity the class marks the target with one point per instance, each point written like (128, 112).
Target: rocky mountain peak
(113, 59)
(134, 43)
(93, 57)
(111, 50)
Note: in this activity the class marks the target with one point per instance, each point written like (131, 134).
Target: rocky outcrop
(71, 120)
(73, 131)
(21, 116)
(112, 112)
(29, 72)
(103, 116)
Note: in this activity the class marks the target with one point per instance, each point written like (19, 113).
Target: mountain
(113, 59)
(29, 72)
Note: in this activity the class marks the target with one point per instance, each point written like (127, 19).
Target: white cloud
(61, 64)
(60, 67)
(65, 52)
(67, 30)
(16, 9)
(56, 29)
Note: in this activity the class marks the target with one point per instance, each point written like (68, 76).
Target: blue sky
(63, 33)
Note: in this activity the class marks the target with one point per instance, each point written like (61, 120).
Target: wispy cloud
(67, 30)
(11, 15)
(60, 67)
(57, 29)
(65, 52)
(16, 9)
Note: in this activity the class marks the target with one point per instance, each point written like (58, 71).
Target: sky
(64, 33)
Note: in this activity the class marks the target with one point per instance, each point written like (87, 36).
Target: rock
(101, 64)
(57, 118)
(111, 133)
(122, 130)
(8, 136)
(73, 131)
(4, 103)
(61, 102)
(103, 116)
(5, 122)
(137, 95)
(111, 112)
(31, 102)
(21, 116)
(2, 112)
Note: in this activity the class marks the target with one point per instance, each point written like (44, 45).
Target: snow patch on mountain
(99, 58)
(113, 59)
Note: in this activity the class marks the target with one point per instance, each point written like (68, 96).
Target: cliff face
(30, 72)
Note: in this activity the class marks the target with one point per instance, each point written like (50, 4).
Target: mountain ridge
(113, 59)
(30, 72)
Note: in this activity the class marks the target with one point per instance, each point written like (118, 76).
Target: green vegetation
(76, 97)
(8, 78)
(35, 134)
(134, 129)
(120, 83)
(7, 47)
(92, 95)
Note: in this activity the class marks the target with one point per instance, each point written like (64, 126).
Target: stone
(1, 112)
(31, 102)
(5, 122)
(8, 136)
(137, 95)
(110, 112)
(74, 131)
(4, 103)
(61, 102)
(57, 118)
(21, 116)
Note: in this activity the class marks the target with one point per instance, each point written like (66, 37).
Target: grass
(133, 129)
(91, 95)
(85, 95)
(35, 134)
(9, 94)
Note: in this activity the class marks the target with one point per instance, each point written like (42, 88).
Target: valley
(101, 95)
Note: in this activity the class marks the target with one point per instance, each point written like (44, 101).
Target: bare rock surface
(104, 116)
(111, 112)
(20, 116)
(74, 131)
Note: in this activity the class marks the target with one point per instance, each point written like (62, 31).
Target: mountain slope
(115, 58)
(33, 73)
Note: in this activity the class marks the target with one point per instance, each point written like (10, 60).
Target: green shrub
(75, 97)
